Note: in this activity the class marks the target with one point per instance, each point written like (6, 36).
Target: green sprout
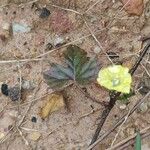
(115, 77)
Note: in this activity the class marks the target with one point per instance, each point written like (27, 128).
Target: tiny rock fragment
(21, 28)
(14, 93)
(34, 136)
(5, 32)
(27, 85)
(134, 7)
(6, 26)
(97, 50)
(143, 108)
(53, 103)
(2, 135)
(58, 41)
(44, 13)
(123, 106)
(4, 89)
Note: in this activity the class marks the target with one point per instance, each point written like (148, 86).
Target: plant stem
(108, 108)
(114, 97)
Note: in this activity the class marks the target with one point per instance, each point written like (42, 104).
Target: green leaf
(79, 68)
(138, 142)
(125, 97)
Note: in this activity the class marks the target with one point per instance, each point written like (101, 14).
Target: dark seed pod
(14, 93)
(4, 89)
(44, 13)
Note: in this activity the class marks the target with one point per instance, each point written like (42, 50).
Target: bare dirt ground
(25, 56)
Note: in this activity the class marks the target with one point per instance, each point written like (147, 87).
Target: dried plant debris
(54, 102)
(79, 68)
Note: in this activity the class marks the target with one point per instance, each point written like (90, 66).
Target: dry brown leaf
(53, 103)
(134, 7)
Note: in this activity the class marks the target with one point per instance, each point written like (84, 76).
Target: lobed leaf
(79, 68)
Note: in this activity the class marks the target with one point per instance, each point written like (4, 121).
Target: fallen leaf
(79, 68)
(34, 136)
(134, 7)
(53, 103)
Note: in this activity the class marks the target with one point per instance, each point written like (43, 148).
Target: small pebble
(6, 26)
(20, 28)
(4, 89)
(123, 106)
(34, 119)
(143, 108)
(14, 93)
(27, 85)
(93, 19)
(59, 41)
(34, 136)
(44, 13)
(97, 50)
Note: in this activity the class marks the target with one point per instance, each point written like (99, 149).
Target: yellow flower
(116, 78)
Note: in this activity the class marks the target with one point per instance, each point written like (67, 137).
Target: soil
(70, 128)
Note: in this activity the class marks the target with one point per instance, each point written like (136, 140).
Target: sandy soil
(73, 128)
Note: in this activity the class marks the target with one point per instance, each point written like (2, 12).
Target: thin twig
(67, 9)
(146, 48)
(88, 95)
(92, 6)
(97, 41)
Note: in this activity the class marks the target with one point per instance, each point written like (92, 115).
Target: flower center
(115, 82)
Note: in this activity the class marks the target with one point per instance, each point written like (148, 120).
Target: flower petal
(116, 78)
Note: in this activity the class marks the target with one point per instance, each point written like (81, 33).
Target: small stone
(4, 89)
(14, 93)
(27, 85)
(44, 13)
(20, 28)
(143, 108)
(34, 136)
(6, 26)
(5, 33)
(123, 106)
(58, 41)
(93, 19)
(34, 119)
(97, 50)
(2, 135)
